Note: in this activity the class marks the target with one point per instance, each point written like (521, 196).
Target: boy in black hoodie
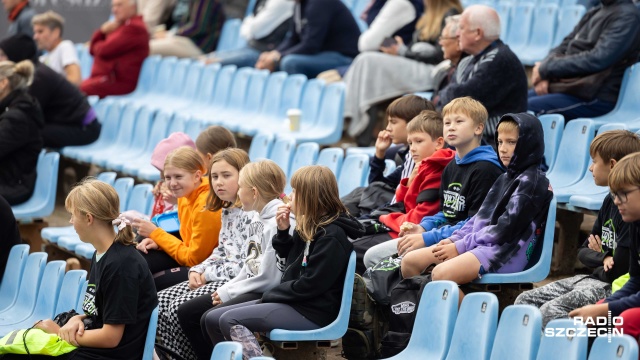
(607, 248)
(501, 236)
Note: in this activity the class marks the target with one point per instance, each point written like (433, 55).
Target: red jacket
(422, 197)
(117, 59)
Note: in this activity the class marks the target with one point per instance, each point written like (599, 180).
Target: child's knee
(438, 273)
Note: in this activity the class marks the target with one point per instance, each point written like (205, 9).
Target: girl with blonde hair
(316, 257)
(169, 258)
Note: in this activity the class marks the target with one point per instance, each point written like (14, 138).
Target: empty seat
(13, 275)
(590, 202)
(353, 174)
(556, 346)
(331, 158)
(42, 202)
(622, 347)
(282, 154)
(228, 91)
(268, 112)
(306, 154)
(504, 12)
(141, 199)
(229, 35)
(242, 108)
(193, 128)
(626, 109)
(545, 17)
(122, 139)
(110, 125)
(227, 350)
(520, 27)
(475, 327)
(85, 250)
(261, 146)
(573, 153)
(518, 333)
(72, 290)
(159, 131)
(438, 305)
(553, 126)
(368, 150)
(568, 18)
(137, 145)
(29, 284)
(308, 101)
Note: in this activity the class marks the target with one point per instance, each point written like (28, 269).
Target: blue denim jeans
(312, 65)
(244, 57)
(568, 106)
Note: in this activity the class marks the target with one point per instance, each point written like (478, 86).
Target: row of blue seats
(495, 3)
(33, 289)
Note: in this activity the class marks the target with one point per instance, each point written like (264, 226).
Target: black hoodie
(21, 122)
(504, 232)
(315, 290)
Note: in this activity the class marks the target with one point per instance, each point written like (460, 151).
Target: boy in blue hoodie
(465, 181)
(501, 236)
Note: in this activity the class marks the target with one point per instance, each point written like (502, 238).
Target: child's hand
(444, 252)
(595, 243)
(413, 174)
(146, 245)
(145, 228)
(383, 142)
(74, 327)
(409, 243)
(195, 280)
(47, 326)
(608, 263)
(167, 195)
(410, 228)
(282, 217)
(216, 299)
(590, 311)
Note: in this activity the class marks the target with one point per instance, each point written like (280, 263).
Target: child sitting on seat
(309, 294)
(607, 248)
(502, 235)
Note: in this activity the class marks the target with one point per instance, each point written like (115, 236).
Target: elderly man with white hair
(492, 74)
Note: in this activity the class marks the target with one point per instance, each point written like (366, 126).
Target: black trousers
(57, 136)
(191, 316)
(361, 245)
(166, 271)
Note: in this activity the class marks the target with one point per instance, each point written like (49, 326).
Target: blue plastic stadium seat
(518, 333)
(13, 275)
(159, 128)
(229, 35)
(79, 308)
(585, 186)
(568, 18)
(72, 289)
(231, 87)
(545, 18)
(248, 107)
(161, 83)
(424, 94)
(194, 128)
(562, 347)
(261, 145)
(136, 148)
(369, 150)
(622, 347)
(553, 126)
(573, 154)
(282, 154)
(389, 167)
(69, 242)
(435, 320)
(337, 328)
(540, 263)
(150, 340)
(626, 109)
(327, 128)
(475, 327)
(520, 27)
(354, 173)
(45, 304)
(110, 125)
(227, 350)
(331, 158)
(212, 76)
(42, 202)
(504, 12)
(268, 112)
(306, 154)
(123, 187)
(121, 141)
(590, 202)
(141, 199)
(29, 284)
(85, 250)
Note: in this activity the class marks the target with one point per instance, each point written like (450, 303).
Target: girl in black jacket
(317, 255)
(21, 122)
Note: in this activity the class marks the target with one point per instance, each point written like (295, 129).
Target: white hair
(485, 18)
(453, 22)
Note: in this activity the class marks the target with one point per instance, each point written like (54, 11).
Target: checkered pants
(557, 299)
(170, 334)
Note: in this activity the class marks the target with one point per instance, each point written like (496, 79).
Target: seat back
(207, 84)
(475, 327)
(521, 322)
(239, 89)
(192, 81)
(545, 21)
(49, 290)
(223, 88)
(573, 153)
(127, 126)
(353, 174)
(568, 18)
(150, 340)
(107, 177)
(273, 93)
(629, 97)
(176, 124)
(179, 77)
(330, 120)
(12, 275)
(331, 158)
(261, 146)
(141, 199)
(622, 347)
(227, 350)
(42, 202)
(148, 74)
(81, 297)
(569, 346)
(438, 305)
(30, 282)
(310, 102)
(123, 187)
(159, 127)
(520, 26)
(71, 290)
(229, 35)
(553, 126)
(306, 154)
(163, 79)
(282, 154)
(255, 92)
(143, 125)
(193, 128)
(504, 12)
(291, 94)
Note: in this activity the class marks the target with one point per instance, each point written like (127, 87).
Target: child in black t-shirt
(121, 294)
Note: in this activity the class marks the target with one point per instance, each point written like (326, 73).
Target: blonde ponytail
(20, 75)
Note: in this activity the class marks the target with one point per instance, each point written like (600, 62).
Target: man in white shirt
(60, 55)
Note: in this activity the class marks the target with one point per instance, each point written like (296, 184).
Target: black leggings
(191, 316)
(166, 271)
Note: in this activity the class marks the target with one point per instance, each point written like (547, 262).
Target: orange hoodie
(199, 229)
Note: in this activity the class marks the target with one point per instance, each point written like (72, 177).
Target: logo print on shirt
(453, 201)
(608, 236)
(89, 303)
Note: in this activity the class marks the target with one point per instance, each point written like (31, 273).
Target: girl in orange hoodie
(169, 258)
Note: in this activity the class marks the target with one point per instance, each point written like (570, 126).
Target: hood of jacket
(269, 210)
(440, 157)
(22, 101)
(351, 226)
(529, 149)
(484, 152)
(613, 2)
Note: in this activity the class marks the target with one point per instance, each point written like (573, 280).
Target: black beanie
(19, 47)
